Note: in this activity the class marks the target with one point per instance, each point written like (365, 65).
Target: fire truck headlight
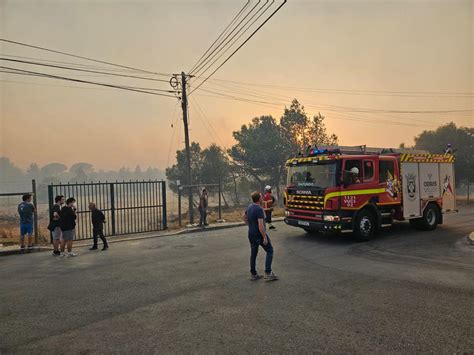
(330, 218)
(287, 213)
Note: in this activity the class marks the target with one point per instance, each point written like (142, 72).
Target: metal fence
(129, 206)
(35, 203)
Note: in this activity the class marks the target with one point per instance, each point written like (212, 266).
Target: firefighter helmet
(354, 171)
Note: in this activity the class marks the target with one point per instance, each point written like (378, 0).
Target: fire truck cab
(361, 190)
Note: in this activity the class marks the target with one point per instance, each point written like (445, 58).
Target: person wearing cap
(203, 203)
(354, 175)
(267, 203)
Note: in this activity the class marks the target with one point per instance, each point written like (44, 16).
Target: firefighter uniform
(267, 203)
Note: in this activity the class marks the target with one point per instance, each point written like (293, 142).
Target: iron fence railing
(129, 206)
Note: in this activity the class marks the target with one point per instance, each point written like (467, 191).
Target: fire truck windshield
(312, 175)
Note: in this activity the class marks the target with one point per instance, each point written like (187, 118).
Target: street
(405, 291)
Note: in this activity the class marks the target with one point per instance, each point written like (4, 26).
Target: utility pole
(184, 106)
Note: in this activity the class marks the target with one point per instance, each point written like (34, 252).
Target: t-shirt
(56, 208)
(67, 221)
(254, 213)
(25, 210)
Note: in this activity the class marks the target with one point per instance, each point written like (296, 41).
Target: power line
(345, 108)
(87, 66)
(71, 87)
(83, 81)
(205, 120)
(206, 66)
(349, 91)
(236, 50)
(227, 36)
(222, 33)
(81, 70)
(78, 56)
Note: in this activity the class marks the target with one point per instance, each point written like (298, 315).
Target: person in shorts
(56, 232)
(26, 210)
(67, 223)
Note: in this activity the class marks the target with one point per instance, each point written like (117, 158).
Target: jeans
(203, 215)
(254, 244)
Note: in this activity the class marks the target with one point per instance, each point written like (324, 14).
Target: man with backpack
(98, 220)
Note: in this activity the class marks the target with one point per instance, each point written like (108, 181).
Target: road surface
(405, 291)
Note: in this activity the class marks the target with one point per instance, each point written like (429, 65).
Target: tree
(301, 131)
(261, 150)
(178, 171)
(9, 171)
(462, 140)
(215, 165)
(52, 171)
(81, 171)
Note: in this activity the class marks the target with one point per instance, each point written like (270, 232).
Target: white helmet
(268, 188)
(354, 170)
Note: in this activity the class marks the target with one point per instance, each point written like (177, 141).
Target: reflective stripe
(353, 193)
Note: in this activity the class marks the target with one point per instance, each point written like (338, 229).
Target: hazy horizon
(395, 46)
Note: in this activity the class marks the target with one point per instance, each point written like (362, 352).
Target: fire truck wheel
(364, 227)
(429, 221)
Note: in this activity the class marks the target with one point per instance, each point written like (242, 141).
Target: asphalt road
(405, 291)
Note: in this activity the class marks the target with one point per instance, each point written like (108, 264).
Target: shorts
(26, 228)
(69, 235)
(57, 233)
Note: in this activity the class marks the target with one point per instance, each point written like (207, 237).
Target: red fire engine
(360, 189)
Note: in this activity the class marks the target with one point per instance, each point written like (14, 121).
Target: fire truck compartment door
(446, 173)
(429, 181)
(411, 190)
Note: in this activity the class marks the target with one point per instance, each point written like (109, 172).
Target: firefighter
(267, 201)
(354, 175)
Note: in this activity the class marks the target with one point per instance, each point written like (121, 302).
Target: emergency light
(316, 151)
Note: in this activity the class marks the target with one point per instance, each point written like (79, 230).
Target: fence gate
(129, 206)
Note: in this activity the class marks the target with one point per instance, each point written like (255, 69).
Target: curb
(138, 237)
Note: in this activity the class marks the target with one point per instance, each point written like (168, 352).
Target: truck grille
(305, 202)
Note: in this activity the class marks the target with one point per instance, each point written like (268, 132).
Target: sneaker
(30, 247)
(94, 247)
(56, 253)
(105, 247)
(255, 277)
(270, 277)
(22, 247)
(272, 227)
(62, 254)
(71, 254)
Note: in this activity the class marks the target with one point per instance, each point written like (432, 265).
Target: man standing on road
(254, 218)
(25, 210)
(203, 203)
(67, 222)
(55, 229)
(267, 202)
(98, 220)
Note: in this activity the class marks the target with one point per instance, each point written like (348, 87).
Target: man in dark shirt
(56, 232)
(98, 220)
(25, 210)
(67, 223)
(203, 203)
(255, 218)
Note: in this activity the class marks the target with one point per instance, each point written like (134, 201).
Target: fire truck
(361, 189)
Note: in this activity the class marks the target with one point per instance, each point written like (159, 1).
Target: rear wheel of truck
(364, 227)
(430, 218)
